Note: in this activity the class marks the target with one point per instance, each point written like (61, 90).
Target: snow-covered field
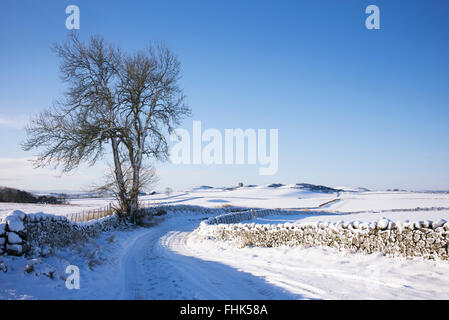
(366, 204)
(172, 260)
(255, 197)
(292, 198)
(74, 206)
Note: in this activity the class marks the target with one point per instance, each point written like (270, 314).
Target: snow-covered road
(152, 269)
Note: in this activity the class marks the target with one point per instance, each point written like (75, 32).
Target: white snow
(324, 273)
(284, 197)
(376, 200)
(258, 197)
(173, 260)
(74, 206)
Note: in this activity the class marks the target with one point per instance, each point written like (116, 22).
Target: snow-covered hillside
(283, 197)
(292, 197)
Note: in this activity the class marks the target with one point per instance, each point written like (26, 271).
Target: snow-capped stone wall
(12, 234)
(424, 239)
(21, 233)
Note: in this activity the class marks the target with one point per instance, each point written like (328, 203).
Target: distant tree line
(19, 196)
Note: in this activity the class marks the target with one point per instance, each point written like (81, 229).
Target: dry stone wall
(425, 239)
(21, 233)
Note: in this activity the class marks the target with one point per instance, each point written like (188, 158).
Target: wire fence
(92, 214)
(98, 213)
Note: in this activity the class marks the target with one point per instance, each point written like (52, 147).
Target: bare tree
(168, 191)
(125, 103)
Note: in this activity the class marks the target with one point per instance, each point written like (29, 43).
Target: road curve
(154, 270)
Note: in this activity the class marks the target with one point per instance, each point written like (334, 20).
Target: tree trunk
(122, 193)
(136, 164)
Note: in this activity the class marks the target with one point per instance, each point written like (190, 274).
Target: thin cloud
(20, 173)
(16, 122)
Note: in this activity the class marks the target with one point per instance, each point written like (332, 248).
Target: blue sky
(354, 107)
